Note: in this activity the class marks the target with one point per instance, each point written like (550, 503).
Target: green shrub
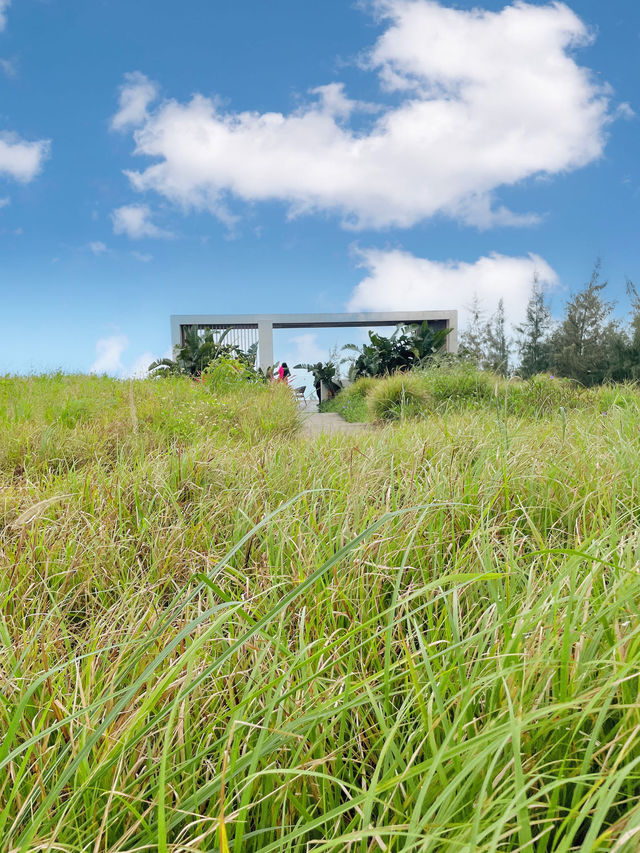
(258, 412)
(460, 383)
(542, 395)
(463, 386)
(351, 403)
(398, 396)
(226, 374)
(608, 397)
(361, 387)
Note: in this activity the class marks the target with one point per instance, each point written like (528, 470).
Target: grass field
(219, 636)
(449, 388)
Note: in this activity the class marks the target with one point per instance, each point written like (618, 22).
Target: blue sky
(303, 157)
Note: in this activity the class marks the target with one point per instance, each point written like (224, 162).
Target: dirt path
(314, 423)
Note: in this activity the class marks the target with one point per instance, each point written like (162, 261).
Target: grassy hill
(217, 635)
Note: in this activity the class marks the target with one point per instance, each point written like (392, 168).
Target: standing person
(283, 372)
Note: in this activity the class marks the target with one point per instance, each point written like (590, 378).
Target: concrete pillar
(452, 337)
(175, 333)
(265, 344)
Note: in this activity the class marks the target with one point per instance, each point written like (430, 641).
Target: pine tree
(581, 345)
(634, 325)
(497, 345)
(533, 346)
(624, 345)
(473, 342)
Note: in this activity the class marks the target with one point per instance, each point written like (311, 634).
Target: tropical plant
(409, 346)
(424, 341)
(226, 373)
(322, 373)
(199, 351)
(249, 358)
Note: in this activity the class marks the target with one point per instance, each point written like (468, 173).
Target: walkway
(314, 423)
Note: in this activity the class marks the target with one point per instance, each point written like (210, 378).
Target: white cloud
(140, 367)
(625, 110)
(109, 354)
(4, 5)
(97, 247)
(8, 67)
(307, 348)
(398, 280)
(143, 257)
(134, 220)
(4, 201)
(481, 100)
(19, 159)
(110, 359)
(136, 93)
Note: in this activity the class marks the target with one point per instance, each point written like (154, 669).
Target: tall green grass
(456, 387)
(219, 636)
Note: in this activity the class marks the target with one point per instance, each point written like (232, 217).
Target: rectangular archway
(250, 326)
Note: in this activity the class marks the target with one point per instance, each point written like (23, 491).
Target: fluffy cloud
(19, 159)
(474, 100)
(143, 257)
(97, 247)
(136, 93)
(109, 355)
(109, 359)
(398, 280)
(307, 349)
(134, 220)
(5, 201)
(4, 5)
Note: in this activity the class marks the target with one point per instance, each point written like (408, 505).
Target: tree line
(587, 344)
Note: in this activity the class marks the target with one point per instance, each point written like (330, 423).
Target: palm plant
(196, 353)
(409, 346)
(249, 357)
(424, 341)
(322, 373)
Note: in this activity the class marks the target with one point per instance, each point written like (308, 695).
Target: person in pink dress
(283, 372)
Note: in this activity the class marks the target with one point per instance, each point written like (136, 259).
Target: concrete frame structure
(266, 323)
